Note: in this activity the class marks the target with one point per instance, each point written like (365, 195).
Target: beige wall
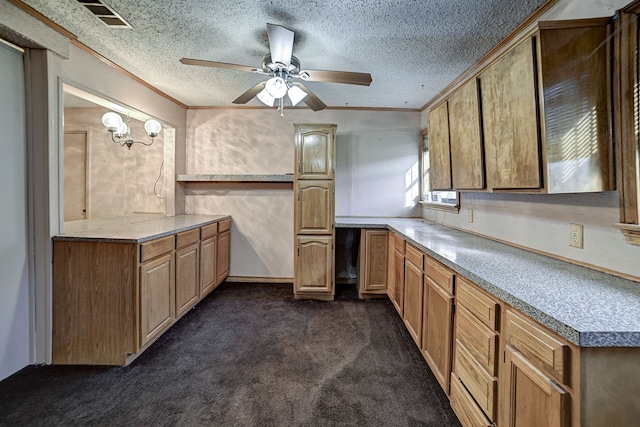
(119, 181)
(374, 150)
(84, 71)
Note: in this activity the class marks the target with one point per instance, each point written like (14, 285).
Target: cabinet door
(314, 207)
(314, 265)
(208, 261)
(531, 398)
(398, 279)
(187, 277)
(465, 134)
(413, 299)
(510, 120)
(439, 151)
(373, 261)
(156, 296)
(437, 331)
(391, 271)
(315, 146)
(223, 260)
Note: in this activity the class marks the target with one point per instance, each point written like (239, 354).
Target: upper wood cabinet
(541, 122)
(439, 151)
(314, 151)
(465, 135)
(510, 120)
(545, 111)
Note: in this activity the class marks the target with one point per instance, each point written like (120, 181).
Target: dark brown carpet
(248, 355)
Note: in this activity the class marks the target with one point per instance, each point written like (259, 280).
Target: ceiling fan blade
(203, 63)
(248, 95)
(311, 100)
(280, 43)
(347, 77)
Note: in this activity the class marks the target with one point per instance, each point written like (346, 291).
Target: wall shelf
(193, 178)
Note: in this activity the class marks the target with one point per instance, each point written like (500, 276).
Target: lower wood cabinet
(111, 300)
(437, 330)
(535, 377)
(187, 277)
(395, 290)
(223, 264)
(372, 279)
(208, 261)
(465, 407)
(531, 397)
(413, 293)
(314, 266)
(156, 296)
(475, 347)
(500, 367)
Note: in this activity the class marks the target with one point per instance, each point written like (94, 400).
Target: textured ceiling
(412, 48)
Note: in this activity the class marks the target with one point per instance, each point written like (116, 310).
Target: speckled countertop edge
(141, 231)
(587, 307)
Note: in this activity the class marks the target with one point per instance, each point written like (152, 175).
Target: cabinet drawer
(474, 300)
(414, 255)
(208, 231)
(224, 225)
(152, 249)
(540, 347)
(465, 408)
(477, 338)
(398, 243)
(480, 384)
(438, 273)
(187, 238)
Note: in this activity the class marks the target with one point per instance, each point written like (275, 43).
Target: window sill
(440, 206)
(631, 232)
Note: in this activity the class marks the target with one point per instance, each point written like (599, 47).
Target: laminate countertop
(587, 307)
(140, 231)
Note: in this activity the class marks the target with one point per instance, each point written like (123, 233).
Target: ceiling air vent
(104, 13)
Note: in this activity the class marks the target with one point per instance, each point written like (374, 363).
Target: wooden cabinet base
(88, 285)
(112, 300)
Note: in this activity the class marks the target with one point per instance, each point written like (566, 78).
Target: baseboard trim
(256, 279)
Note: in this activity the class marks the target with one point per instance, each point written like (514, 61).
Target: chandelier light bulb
(122, 129)
(152, 127)
(112, 121)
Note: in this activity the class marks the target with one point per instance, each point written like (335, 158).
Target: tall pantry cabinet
(314, 212)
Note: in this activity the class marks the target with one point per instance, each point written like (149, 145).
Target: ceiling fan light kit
(281, 66)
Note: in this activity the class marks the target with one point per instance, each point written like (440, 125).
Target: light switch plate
(469, 215)
(575, 235)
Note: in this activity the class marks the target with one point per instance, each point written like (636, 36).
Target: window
(447, 200)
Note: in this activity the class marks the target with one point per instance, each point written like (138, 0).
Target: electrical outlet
(136, 200)
(575, 235)
(469, 215)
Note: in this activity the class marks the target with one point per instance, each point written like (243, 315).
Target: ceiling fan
(282, 68)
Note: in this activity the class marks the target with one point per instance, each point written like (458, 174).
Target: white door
(14, 266)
